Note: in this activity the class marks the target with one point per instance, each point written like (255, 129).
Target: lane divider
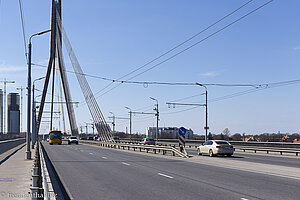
(125, 163)
(104, 157)
(165, 175)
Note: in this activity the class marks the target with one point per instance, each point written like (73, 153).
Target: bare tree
(226, 132)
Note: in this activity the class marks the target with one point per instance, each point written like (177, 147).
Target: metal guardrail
(269, 149)
(6, 145)
(280, 147)
(194, 142)
(146, 148)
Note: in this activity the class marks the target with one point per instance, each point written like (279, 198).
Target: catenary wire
(23, 28)
(182, 51)
(177, 46)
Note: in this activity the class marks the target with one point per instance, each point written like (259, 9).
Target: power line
(180, 44)
(146, 83)
(23, 29)
(172, 49)
(182, 51)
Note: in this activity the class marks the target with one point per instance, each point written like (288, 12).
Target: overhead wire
(177, 46)
(182, 51)
(23, 28)
(255, 85)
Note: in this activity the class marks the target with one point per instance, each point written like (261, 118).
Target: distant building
(13, 113)
(1, 112)
(167, 132)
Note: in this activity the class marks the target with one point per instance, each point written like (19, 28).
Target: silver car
(215, 147)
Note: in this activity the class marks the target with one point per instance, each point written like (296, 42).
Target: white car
(216, 147)
(72, 139)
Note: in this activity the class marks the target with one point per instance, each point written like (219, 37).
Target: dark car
(90, 138)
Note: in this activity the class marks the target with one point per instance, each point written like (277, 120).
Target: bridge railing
(194, 143)
(139, 147)
(279, 147)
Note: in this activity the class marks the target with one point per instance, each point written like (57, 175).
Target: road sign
(182, 131)
(181, 140)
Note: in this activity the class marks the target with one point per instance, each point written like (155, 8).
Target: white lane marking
(104, 157)
(244, 199)
(91, 153)
(125, 163)
(165, 175)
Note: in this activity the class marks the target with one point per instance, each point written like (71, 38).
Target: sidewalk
(15, 175)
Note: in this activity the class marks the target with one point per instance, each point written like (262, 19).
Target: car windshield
(221, 142)
(55, 135)
(73, 137)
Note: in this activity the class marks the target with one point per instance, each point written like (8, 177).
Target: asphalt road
(91, 172)
(273, 159)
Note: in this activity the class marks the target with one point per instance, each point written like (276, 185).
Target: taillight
(218, 146)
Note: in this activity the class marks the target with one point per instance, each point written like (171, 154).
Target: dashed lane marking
(125, 163)
(165, 175)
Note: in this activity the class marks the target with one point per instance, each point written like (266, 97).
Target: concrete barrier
(9, 144)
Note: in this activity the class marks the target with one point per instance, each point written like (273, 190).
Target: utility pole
(130, 121)
(34, 134)
(4, 102)
(157, 116)
(206, 111)
(86, 128)
(113, 122)
(28, 152)
(21, 103)
(93, 127)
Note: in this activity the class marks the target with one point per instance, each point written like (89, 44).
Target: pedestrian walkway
(15, 175)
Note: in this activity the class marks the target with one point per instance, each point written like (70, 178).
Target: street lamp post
(206, 111)
(130, 121)
(157, 116)
(113, 122)
(34, 135)
(28, 152)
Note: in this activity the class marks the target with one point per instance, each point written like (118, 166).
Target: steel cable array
(102, 127)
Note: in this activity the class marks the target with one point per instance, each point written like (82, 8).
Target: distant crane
(5, 82)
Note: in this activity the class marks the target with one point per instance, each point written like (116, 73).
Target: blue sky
(112, 38)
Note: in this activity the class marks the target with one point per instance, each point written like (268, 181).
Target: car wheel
(211, 154)
(51, 143)
(59, 143)
(69, 142)
(229, 155)
(199, 152)
(76, 142)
